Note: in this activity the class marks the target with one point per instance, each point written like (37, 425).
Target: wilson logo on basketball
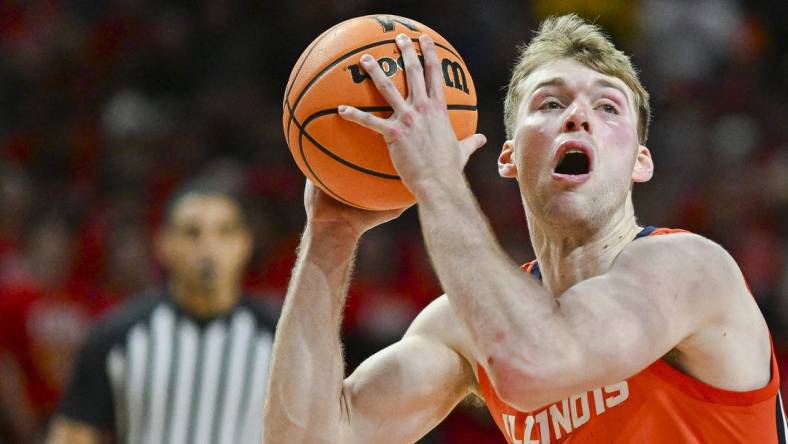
(453, 73)
(388, 22)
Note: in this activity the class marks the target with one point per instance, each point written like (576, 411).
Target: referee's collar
(169, 298)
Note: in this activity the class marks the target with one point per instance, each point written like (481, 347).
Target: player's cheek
(620, 129)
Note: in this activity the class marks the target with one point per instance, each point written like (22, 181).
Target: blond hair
(570, 36)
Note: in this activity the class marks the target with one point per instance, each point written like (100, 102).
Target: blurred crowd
(107, 106)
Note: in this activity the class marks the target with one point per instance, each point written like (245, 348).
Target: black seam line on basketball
(291, 109)
(298, 71)
(326, 188)
(309, 52)
(295, 77)
(329, 153)
(289, 87)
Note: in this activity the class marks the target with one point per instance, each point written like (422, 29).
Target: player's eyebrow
(608, 84)
(559, 81)
(555, 81)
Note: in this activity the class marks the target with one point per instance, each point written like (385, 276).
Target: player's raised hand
(323, 210)
(422, 143)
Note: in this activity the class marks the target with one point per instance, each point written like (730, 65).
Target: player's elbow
(288, 420)
(278, 430)
(528, 382)
(519, 381)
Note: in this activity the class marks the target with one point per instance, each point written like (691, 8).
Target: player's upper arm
(406, 389)
(66, 431)
(659, 292)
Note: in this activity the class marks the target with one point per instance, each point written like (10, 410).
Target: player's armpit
(405, 390)
(67, 431)
(667, 292)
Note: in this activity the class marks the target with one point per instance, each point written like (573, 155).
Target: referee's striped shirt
(153, 374)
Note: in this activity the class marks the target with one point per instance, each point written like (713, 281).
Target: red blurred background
(108, 105)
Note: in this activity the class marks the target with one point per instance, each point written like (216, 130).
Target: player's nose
(576, 119)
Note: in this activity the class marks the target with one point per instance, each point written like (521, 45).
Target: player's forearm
(505, 310)
(307, 368)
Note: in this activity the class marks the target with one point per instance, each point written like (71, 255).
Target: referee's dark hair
(206, 189)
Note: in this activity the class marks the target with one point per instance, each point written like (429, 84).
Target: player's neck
(568, 256)
(204, 303)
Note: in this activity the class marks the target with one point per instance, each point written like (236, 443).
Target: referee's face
(206, 245)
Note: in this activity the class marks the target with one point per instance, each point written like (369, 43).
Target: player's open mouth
(573, 161)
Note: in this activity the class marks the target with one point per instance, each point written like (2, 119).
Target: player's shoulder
(670, 236)
(434, 318)
(684, 255)
(679, 245)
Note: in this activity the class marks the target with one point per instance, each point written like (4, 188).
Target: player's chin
(569, 207)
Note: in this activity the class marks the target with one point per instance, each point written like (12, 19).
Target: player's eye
(550, 105)
(608, 108)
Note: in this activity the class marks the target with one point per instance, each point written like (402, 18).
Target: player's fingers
(432, 68)
(414, 74)
(386, 87)
(365, 119)
(469, 145)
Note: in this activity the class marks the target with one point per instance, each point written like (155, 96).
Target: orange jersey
(658, 405)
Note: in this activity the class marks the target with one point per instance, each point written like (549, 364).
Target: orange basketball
(349, 162)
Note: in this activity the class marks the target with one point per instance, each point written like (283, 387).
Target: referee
(186, 364)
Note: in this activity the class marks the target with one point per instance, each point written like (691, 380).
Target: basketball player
(616, 333)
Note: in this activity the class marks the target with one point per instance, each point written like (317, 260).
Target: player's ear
(644, 165)
(506, 167)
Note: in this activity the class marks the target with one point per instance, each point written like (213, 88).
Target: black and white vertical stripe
(174, 382)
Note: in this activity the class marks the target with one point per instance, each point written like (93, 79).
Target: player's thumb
(470, 144)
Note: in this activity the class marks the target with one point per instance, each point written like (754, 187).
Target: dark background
(106, 106)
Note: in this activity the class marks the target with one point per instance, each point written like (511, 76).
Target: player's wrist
(438, 187)
(332, 235)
